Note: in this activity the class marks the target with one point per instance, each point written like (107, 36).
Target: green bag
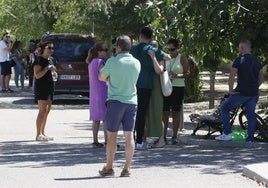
(239, 134)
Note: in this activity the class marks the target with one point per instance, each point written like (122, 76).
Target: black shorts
(174, 101)
(5, 68)
(43, 92)
(39, 96)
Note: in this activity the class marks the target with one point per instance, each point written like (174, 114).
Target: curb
(257, 172)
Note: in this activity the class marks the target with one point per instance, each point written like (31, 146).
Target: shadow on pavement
(43, 154)
(24, 99)
(37, 155)
(29, 103)
(84, 178)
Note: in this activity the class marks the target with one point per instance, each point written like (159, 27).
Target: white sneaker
(142, 146)
(224, 137)
(41, 138)
(49, 137)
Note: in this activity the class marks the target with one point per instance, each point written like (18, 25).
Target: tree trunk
(212, 90)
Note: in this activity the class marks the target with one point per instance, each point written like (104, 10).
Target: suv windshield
(71, 50)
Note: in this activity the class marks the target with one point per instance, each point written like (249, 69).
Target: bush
(193, 84)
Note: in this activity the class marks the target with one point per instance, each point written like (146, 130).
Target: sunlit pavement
(71, 161)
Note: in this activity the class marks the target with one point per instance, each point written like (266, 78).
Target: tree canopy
(207, 28)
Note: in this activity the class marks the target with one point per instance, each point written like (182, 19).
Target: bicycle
(214, 122)
(261, 132)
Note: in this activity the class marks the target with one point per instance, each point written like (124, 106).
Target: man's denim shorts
(120, 113)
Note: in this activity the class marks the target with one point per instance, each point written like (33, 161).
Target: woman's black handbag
(12, 62)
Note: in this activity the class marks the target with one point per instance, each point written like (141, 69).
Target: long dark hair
(4, 34)
(16, 45)
(93, 53)
(42, 46)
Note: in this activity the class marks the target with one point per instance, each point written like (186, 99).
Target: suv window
(71, 50)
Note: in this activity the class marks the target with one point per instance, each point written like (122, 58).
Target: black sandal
(174, 141)
(98, 145)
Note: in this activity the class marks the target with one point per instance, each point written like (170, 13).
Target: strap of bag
(165, 67)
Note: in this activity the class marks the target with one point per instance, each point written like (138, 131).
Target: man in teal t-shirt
(122, 73)
(145, 81)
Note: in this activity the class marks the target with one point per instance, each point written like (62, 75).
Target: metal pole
(92, 26)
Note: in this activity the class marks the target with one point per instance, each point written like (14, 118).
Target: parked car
(70, 52)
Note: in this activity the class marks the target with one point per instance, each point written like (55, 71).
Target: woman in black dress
(44, 87)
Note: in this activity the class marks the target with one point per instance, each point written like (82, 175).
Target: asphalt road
(71, 161)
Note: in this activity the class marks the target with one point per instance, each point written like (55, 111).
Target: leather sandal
(125, 173)
(106, 172)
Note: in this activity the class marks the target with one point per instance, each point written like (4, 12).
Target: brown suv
(70, 54)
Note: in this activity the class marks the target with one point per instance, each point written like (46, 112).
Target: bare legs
(165, 121)
(95, 131)
(5, 81)
(112, 147)
(161, 141)
(175, 122)
(44, 109)
(129, 148)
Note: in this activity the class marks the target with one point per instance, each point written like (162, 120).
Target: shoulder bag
(166, 84)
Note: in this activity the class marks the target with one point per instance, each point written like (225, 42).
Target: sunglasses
(171, 49)
(7, 36)
(49, 47)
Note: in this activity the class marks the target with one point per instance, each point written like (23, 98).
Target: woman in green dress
(153, 122)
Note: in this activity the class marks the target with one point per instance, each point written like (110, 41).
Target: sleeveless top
(175, 66)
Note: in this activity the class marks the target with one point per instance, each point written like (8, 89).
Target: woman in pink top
(98, 89)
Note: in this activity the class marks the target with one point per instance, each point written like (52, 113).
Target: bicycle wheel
(261, 132)
(243, 121)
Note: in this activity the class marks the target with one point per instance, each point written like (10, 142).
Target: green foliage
(211, 62)
(209, 29)
(121, 19)
(251, 18)
(24, 19)
(30, 19)
(204, 26)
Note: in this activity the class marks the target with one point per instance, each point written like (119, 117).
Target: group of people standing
(23, 63)
(125, 90)
(153, 110)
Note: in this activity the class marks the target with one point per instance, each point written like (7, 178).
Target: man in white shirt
(5, 47)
